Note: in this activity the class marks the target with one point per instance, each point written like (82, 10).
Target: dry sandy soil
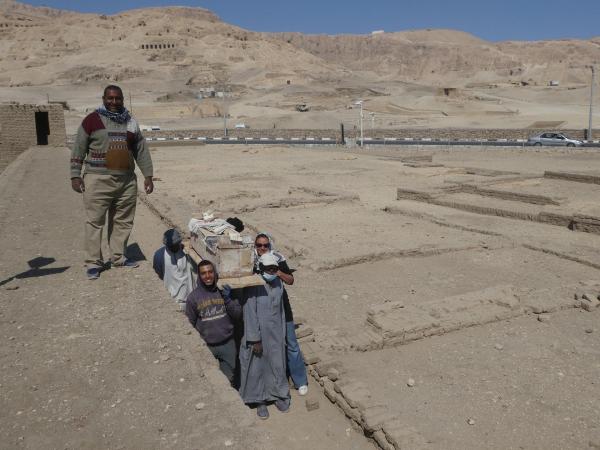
(441, 288)
(441, 292)
(461, 284)
(401, 76)
(112, 364)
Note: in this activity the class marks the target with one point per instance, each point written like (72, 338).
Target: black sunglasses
(262, 245)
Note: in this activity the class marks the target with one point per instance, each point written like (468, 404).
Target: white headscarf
(279, 256)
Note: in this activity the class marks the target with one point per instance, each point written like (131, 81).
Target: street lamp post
(591, 103)
(224, 117)
(362, 140)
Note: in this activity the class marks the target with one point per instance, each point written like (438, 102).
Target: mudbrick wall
(434, 133)
(18, 129)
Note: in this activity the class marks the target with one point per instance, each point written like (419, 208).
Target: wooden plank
(241, 282)
(187, 247)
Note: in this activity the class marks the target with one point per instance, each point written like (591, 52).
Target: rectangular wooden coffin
(232, 259)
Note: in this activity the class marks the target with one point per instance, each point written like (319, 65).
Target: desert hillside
(165, 57)
(447, 57)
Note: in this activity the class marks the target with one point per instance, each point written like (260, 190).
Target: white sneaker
(303, 390)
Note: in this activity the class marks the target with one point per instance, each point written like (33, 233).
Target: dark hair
(262, 235)
(112, 87)
(205, 262)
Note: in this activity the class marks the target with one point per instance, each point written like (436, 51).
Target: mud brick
(402, 436)
(587, 305)
(357, 426)
(374, 417)
(329, 390)
(589, 301)
(333, 374)
(340, 385)
(324, 366)
(348, 410)
(593, 298)
(312, 404)
(311, 358)
(304, 332)
(400, 322)
(309, 353)
(357, 396)
(379, 437)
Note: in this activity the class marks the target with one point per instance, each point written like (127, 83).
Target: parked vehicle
(553, 139)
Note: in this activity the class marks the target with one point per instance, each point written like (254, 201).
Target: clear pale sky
(493, 20)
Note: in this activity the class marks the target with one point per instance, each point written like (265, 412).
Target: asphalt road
(333, 141)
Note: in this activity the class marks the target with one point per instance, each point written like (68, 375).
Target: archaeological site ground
(446, 296)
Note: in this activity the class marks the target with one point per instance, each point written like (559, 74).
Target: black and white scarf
(120, 117)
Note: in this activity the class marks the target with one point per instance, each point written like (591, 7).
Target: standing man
(262, 351)
(263, 243)
(109, 142)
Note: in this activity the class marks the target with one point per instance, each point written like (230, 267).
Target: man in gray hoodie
(212, 313)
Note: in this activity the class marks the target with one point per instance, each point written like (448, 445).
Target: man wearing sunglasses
(263, 243)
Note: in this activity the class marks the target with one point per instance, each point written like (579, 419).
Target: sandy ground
(111, 363)
(522, 383)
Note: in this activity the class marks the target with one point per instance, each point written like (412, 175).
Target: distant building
(373, 33)
(206, 92)
(554, 83)
(158, 46)
(22, 126)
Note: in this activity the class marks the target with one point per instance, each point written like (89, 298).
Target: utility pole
(591, 103)
(224, 116)
(372, 115)
(362, 140)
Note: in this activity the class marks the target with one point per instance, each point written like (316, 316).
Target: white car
(553, 139)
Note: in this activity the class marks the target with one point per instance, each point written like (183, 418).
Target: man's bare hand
(257, 348)
(148, 185)
(78, 185)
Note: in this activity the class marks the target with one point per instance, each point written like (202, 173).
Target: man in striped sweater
(108, 144)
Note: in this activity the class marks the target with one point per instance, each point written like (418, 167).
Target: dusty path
(110, 363)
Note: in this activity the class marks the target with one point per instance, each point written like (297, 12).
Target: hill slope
(168, 55)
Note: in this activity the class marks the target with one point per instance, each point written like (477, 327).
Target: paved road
(334, 141)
